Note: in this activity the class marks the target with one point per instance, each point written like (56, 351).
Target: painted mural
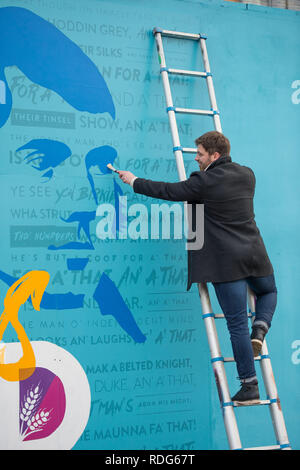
(49, 59)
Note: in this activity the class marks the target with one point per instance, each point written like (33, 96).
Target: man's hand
(126, 176)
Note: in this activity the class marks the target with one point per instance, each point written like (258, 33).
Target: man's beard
(202, 166)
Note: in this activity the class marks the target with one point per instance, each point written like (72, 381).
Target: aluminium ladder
(208, 316)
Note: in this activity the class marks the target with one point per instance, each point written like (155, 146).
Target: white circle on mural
(48, 410)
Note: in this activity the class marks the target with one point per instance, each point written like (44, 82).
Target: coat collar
(219, 161)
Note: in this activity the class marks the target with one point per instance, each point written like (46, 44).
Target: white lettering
(296, 354)
(106, 227)
(2, 92)
(296, 95)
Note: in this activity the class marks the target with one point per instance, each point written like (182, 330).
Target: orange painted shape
(32, 284)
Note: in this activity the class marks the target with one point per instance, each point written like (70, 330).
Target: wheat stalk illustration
(32, 421)
(37, 422)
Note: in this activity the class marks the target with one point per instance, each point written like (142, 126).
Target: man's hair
(214, 141)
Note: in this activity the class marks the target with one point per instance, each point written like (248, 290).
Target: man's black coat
(233, 247)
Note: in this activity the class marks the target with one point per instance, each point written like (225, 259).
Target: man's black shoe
(257, 338)
(248, 394)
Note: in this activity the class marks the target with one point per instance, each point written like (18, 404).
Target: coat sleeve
(190, 190)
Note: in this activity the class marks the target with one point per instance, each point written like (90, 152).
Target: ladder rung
(221, 315)
(195, 111)
(191, 73)
(274, 447)
(178, 34)
(231, 359)
(228, 359)
(258, 403)
(189, 150)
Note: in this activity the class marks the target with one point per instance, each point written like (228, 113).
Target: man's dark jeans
(232, 297)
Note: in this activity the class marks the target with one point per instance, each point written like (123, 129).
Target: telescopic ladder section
(217, 360)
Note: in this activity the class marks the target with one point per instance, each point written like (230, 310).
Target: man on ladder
(233, 255)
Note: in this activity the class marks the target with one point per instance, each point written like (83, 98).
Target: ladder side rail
(171, 112)
(177, 148)
(270, 386)
(210, 85)
(229, 418)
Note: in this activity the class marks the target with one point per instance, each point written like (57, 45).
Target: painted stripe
(284, 446)
(217, 359)
(227, 403)
(206, 315)
(273, 400)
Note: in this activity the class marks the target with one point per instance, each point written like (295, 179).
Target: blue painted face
(50, 59)
(33, 47)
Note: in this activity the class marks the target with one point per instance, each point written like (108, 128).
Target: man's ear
(216, 155)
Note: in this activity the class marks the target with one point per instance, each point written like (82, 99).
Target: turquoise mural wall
(117, 339)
